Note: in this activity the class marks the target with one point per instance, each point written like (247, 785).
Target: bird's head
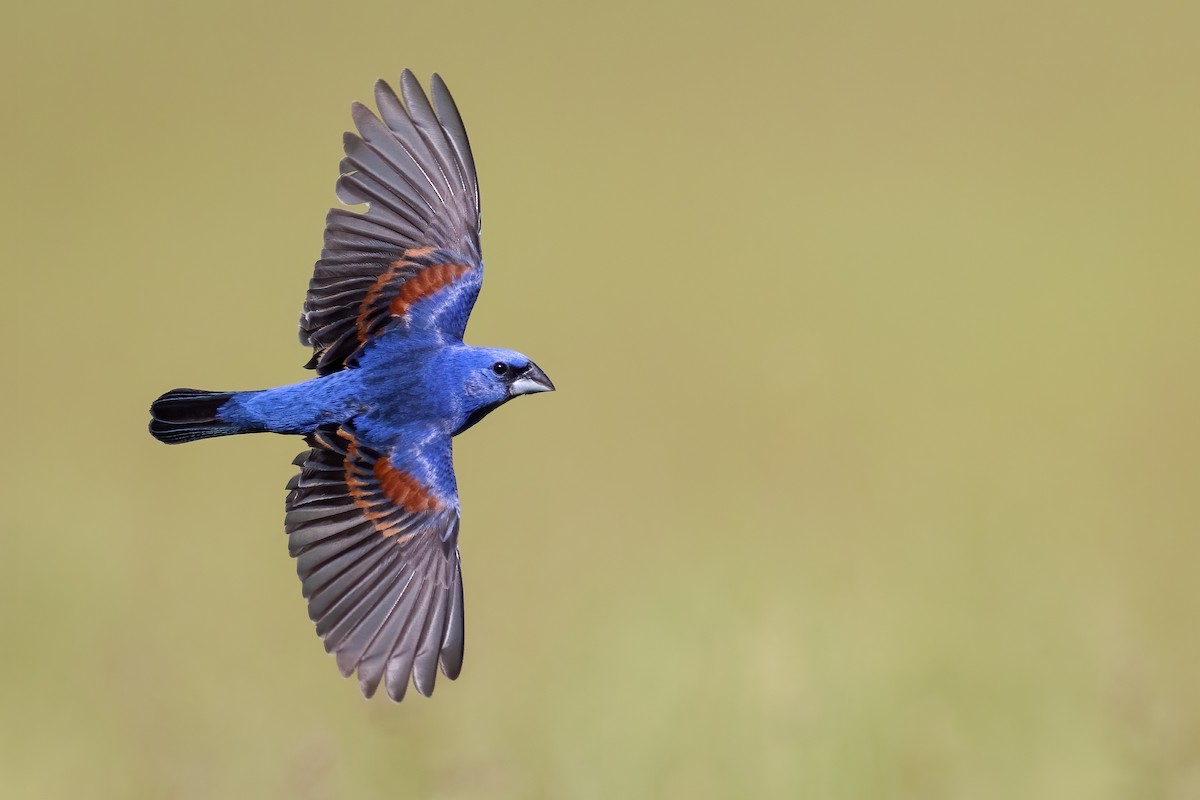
(490, 377)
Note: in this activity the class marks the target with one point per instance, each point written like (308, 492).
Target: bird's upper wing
(376, 547)
(413, 255)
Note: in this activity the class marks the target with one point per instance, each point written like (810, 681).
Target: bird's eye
(500, 368)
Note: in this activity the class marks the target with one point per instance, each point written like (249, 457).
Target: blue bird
(373, 516)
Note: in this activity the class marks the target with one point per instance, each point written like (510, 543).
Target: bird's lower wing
(377, 555)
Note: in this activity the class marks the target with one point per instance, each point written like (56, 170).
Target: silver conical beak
(531, 380)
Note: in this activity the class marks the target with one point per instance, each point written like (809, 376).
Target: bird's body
(373, 516)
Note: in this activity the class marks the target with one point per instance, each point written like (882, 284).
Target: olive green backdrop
(873, 469)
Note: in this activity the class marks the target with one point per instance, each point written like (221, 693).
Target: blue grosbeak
(373, 516)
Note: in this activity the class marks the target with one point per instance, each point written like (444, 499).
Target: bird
(372, 517)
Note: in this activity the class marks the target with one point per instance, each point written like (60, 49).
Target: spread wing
(376, 548)
(412, 258)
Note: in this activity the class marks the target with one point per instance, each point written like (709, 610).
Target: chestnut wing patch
(422, 288)
(377, 554)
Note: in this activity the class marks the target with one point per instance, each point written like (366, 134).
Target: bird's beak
(530, 381)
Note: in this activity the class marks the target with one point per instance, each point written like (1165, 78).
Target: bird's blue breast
(401, 382)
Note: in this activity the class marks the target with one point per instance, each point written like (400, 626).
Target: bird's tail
(185, 415)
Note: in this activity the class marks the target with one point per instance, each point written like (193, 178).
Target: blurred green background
(873, 470)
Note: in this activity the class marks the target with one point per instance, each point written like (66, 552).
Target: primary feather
(373, 516)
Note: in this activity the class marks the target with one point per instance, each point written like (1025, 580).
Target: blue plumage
(373, 515)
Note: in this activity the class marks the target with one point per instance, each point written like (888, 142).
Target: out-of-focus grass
(873, 469)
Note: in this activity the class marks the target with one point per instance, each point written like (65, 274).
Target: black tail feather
(185, 415)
